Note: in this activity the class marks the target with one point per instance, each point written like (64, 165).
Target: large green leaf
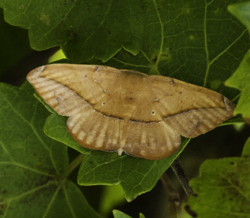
(223, 188)
(95, 28)
(33, 167)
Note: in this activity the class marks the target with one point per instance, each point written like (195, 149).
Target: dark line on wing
(110, 116)
(145, 122)
(85, 100)
(196, 109)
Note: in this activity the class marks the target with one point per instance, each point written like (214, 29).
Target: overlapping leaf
(85, 28)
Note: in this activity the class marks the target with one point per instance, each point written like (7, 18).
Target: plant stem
(75, 163)
(173, 196)
(180, 173)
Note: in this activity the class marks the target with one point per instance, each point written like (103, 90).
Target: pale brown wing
(198, 121)
(62, 99)
(154, 140)
(87, 126)
(95, 131)
(84, 80)
(190, 110)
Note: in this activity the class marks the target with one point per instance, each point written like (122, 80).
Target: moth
(127, 111)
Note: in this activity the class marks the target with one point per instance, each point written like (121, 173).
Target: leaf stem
(75, 163)
(180, 173)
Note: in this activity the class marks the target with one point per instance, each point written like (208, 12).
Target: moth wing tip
(35, 73)
(229, 105)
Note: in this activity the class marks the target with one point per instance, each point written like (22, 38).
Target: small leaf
(241, 11)
(223, 188)
(246, 149)
(112, 197)
(119, 214)
(241, 80)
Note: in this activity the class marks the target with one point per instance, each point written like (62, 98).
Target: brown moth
(125, 110)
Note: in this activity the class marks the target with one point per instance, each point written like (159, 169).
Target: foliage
(223, 188)
(241, 78)
(199, 42)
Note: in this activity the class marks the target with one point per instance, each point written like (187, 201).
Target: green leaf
(112, 197)
(241, 11)
(135, 175)
(33, 167)
(141, 215)
(95, 28)
(223, 188)
(119, 214)
(246, 149)
(55, 128)
(241, 80)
